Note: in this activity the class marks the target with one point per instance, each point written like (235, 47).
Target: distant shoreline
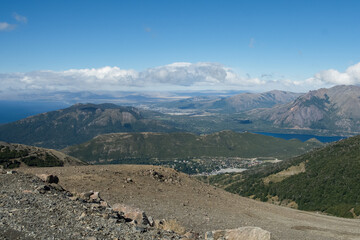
(303, 137)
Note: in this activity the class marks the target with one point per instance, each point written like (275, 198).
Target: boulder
(242, 233)
(48, 178)
(132, 213)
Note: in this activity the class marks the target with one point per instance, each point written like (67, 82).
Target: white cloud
(174, 76)
(351, 76)
(4, 26)
(19, 18)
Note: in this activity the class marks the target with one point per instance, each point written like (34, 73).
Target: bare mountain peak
(336, 108)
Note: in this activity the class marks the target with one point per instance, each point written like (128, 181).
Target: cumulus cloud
(351, 76)
(169, 77)
(175, 76)
(4, 26)
(19, 18)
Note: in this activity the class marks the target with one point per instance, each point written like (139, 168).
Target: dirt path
(164, 193)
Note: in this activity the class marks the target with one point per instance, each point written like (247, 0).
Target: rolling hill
(19, 155)
(133, 147)
(77, 124)
(324, 180)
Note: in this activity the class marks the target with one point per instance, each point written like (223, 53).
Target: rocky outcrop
(242, 233)
(48, 178)
(132, 213)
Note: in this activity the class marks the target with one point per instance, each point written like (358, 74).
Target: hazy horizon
(167, 46)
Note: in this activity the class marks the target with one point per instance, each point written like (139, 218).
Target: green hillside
(120, 147)
(77, 124)
(18, 155)
(330, 182)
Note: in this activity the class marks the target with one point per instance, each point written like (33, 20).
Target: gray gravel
(29, 209)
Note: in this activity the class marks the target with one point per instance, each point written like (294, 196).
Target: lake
(303, 137)
(15, 110)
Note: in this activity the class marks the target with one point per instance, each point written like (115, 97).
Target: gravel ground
(165, 193)
(29, 209)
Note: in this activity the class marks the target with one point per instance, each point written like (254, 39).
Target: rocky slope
(19, 155)
(237, 103)
(76, 124)
(32, 209)
(166, 194)
(336, 109)
(120, 147)
(248, 101)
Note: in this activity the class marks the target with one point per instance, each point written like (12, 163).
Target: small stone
(73, 198)
(151, 221)
(82, 215)
(128, 180)
(95, 197)
(57, 187)
(139, 229)
(43, 189)
(86, 195)
(104, 204)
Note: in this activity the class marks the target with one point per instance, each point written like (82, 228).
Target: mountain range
(333, 111)
(336, 109)
(232, 104)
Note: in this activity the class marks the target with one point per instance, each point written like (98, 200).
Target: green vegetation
(141, 147)
(14, 155)
(41, 161)
(77, 124)
(7, 157)
(330, 183)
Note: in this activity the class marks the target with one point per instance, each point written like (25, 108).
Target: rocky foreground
(37, 207)
(166, 194)
(32, 209)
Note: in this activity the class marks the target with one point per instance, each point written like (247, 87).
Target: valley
(208, 162)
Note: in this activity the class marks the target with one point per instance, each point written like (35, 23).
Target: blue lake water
(303, 137)
(15, 110)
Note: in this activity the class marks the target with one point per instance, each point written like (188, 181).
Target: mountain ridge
(76, 124)
(336, 109)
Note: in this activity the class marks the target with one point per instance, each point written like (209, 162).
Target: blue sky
(256, 45)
